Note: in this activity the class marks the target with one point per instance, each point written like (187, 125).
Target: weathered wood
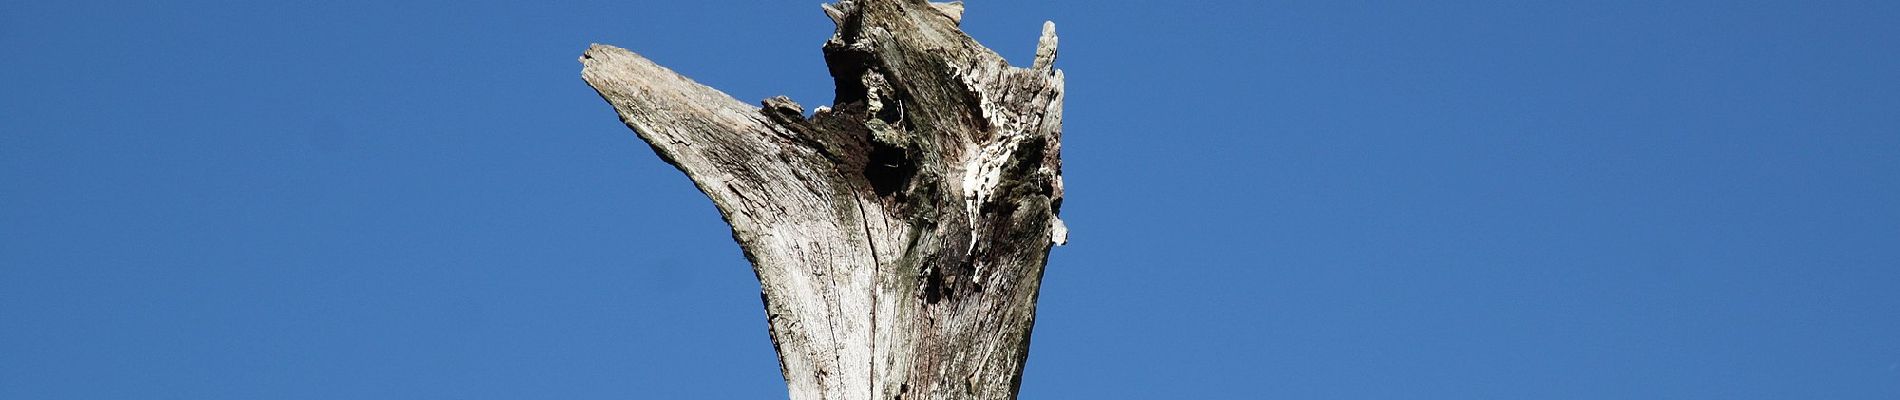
(899, 235)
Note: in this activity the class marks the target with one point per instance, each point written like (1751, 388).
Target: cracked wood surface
(899, 235)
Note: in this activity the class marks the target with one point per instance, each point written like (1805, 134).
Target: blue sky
(1317, 199)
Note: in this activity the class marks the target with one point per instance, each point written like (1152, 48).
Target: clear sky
(1269, 200)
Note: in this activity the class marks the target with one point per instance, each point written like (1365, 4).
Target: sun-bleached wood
(899, 235)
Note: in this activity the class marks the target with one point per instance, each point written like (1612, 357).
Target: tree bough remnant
(899, 235)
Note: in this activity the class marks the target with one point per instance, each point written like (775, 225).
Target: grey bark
(899, 235)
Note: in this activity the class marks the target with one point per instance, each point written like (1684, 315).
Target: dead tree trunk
(899, 235)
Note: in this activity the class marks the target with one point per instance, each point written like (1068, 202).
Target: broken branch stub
(899, 235)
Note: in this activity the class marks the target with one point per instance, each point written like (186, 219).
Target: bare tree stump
(899, 236)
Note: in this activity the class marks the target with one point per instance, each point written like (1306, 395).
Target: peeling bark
(899, 235)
